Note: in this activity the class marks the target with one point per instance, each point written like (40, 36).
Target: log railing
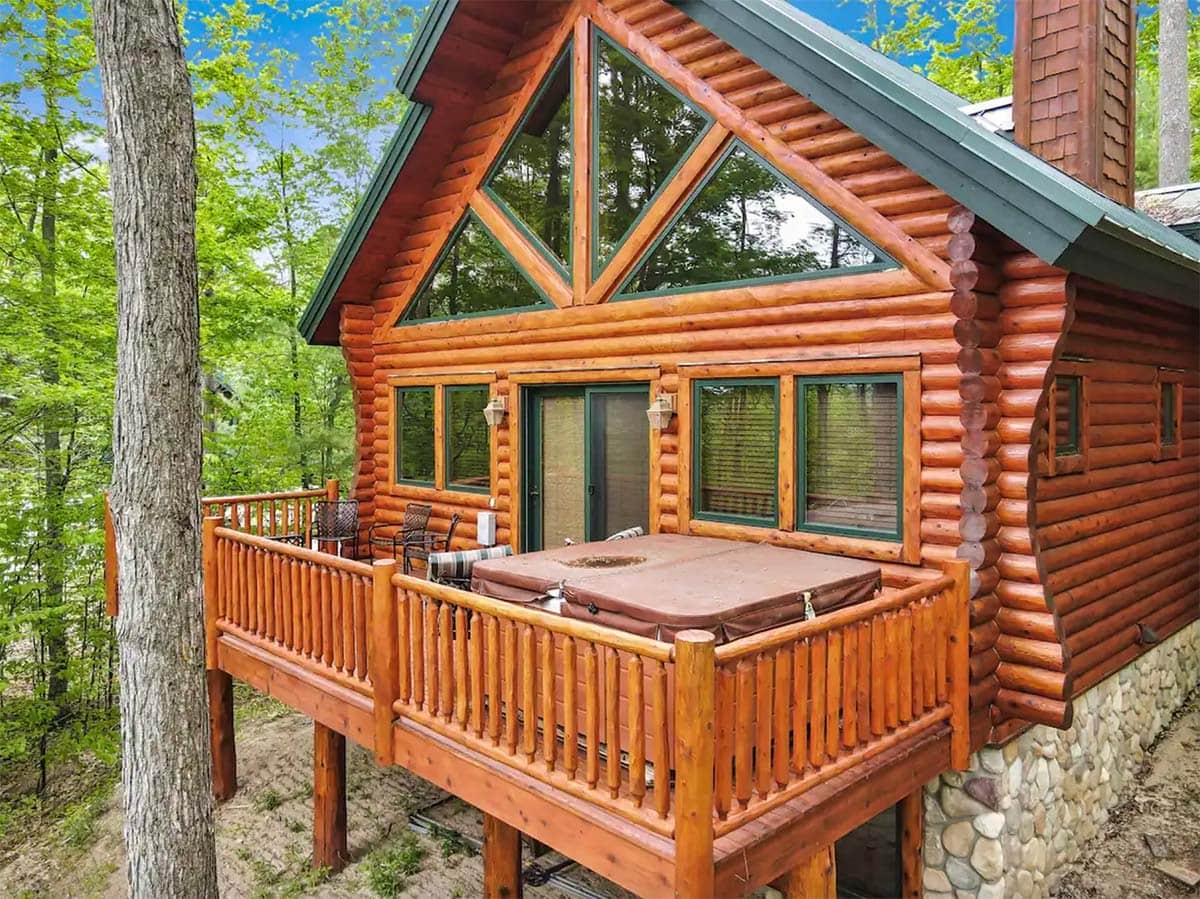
(310, 607)
(270, 514)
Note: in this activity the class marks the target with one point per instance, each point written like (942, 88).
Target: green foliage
(388, 868)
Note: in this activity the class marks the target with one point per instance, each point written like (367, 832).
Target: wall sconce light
(661, 410)
(495, 411)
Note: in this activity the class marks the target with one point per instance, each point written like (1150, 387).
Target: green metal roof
(918, 123)
(1060, 219)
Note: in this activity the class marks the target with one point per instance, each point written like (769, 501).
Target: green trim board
(1074, 385)
(397, 431)
(885, 260)
(563, 266)
(598, 264)
(919, 124)
(420, 51)
(470, 219)
(802, 524)
(699, 513)
(395, 154)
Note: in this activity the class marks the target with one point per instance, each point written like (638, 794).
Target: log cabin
(711, 269)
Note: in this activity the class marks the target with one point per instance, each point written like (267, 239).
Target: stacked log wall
(355, 328)
(1119, 540)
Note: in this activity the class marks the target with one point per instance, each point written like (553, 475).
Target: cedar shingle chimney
(1073, 88)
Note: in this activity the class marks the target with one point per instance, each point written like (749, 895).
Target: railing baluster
(492, 653)
(849, 687)
(285, 601)
(937, 607)
(570, 712)
(864, 681)
(743, 736)
(446, 661)
(764, 671)
(662, 739)
(612, 720)
(591, 678)
(816, 741)
(783, 678)
(528, 693)
(432, 675)
(416, 610)
(346, 597)
(800, 708)
(637, 730)
(897, 652)
(475, 662)
(361, 619)
(549, 732)
(403, 658)
(723, 739)
(462, 679)
(510, 687)
(833, 683)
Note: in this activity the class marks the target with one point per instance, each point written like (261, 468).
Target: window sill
(835, 544)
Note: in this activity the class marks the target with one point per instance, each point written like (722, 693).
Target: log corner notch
(976, 309)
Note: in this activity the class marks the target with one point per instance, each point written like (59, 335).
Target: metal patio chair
(337, 522)
(392, 537)
(419, 548)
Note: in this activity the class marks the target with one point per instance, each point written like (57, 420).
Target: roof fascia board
(394, 156)
(424, 42)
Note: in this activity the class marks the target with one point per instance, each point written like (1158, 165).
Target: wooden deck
(669, 768)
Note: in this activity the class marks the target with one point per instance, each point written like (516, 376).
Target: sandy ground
(1164, 806)
(264, 833)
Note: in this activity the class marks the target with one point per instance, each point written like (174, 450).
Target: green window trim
(598, 264)
(887, 262)
(564, 58)
(397, 458)
(451, 485)
(698, 386)
(1071, 446)
(543, 301)
(801, 525)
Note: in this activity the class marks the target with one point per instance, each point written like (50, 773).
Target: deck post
(329, 798)
(960, 665)
(208, 563)
(695, 710)
(382, 658)
(110, 561)
(224, 749)
(501, 859)
(910, 831)
(332, 490)
(815, 877)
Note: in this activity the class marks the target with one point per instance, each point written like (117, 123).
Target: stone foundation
(1014, 823)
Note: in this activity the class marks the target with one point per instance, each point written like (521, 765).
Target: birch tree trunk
(1174, 129)
(157, 452)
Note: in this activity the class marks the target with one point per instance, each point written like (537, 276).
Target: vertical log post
(329, 798)
(815, 877)
(110, 562)
(501, 859)
(382, 658)
(224, 749)
(910, 829)
(332, 492)
(960, 665)
(695, 741)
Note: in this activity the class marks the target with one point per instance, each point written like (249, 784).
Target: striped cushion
(636, 531)
(455, 567)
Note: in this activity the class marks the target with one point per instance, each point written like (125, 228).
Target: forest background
(293, 105)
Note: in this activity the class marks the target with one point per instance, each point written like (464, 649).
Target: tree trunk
(157, 452)
(1174, 127)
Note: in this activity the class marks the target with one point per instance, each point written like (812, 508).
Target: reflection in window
(851, 455)
(468, 463)
(738, 439)
(1066, 415)
(414, 434)
(643, 131)
(748, 222)
(534, 176)
(474, 275)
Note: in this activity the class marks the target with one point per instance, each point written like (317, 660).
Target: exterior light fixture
(661, 410)
(495, 411)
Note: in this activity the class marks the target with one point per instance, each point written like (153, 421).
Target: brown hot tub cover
(659, 585)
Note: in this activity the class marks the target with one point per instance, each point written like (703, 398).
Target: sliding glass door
(587, 462)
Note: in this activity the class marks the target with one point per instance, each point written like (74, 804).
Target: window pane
(1168, 413)
(475, 275)
(620, 462)
(468, 453)
(851, 455)
(643, 131)
(414, 434)
(1066, 415)
(748, 222)
(739, 443)
(534, 179)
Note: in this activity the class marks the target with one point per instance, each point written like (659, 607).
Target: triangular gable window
(473, 276)
(747, 222)
(643, 131)
(532, 180)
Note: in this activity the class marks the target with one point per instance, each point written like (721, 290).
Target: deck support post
(501, 859)
(815, 877)
(382, 659)
(695, 736)
(329, 798)
(910, 831)
(224, 750)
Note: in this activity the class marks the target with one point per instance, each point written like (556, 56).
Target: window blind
(414, 434)
(468, 452)
(738, 433)
(851, 455)
(1066, 415)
